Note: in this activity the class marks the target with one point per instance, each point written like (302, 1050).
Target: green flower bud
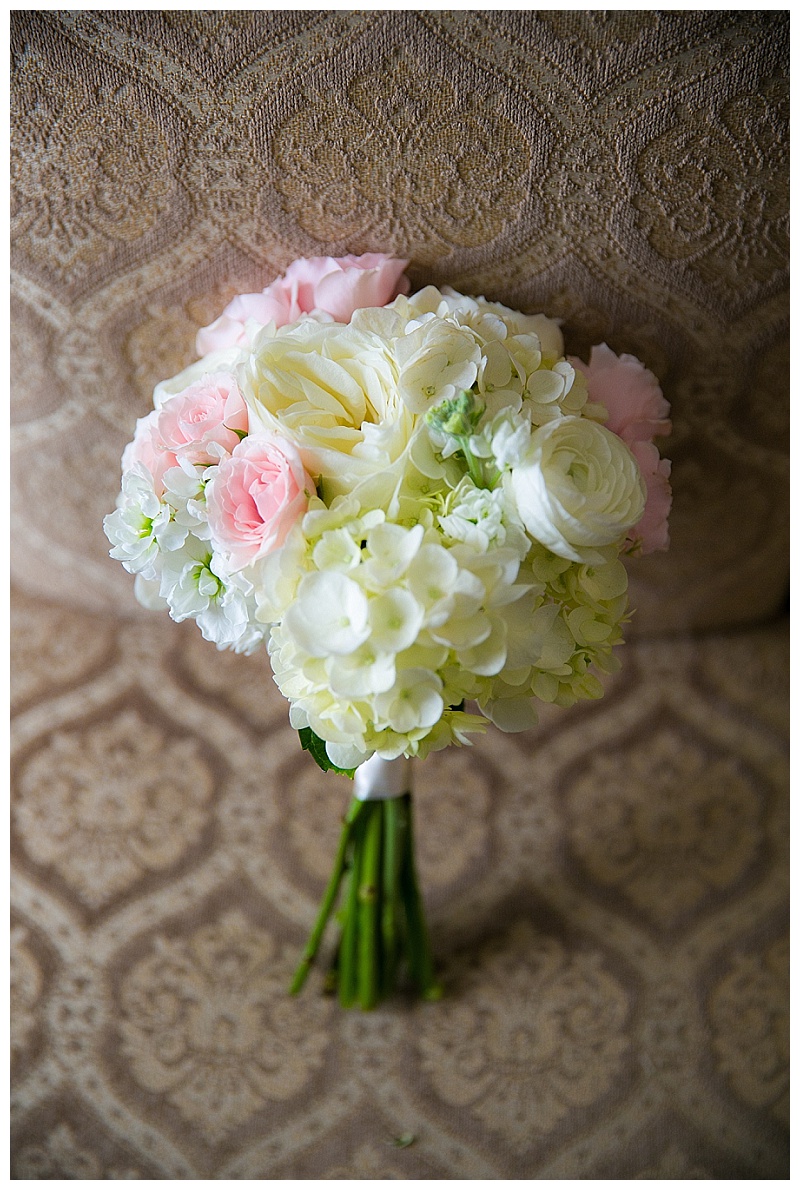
(458, 416)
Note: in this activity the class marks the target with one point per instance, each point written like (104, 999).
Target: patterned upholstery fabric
(607, 892)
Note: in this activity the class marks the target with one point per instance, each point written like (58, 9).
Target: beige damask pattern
(665, 822)
(206, 1022)
(404, 148)
(26, 988)
(533, 1036)
(75, 196)
(607, 893)
(749, 1016)
(59, 1155)
(716, 188)
(102, 839)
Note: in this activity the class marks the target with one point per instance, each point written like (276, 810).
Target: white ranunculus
(578, 488)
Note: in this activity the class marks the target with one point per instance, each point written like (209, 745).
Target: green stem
(348, 951)
(329, 899)
(369, 894)
(390, 918)
(473, 466)
(420, 957)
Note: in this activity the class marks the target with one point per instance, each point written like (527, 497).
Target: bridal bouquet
(415, 503)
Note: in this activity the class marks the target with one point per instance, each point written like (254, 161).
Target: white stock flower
(221, 604)
(578, 488)
(184, 491)
(503, 438)
(474, 516)
(141, 526)
(147, 592)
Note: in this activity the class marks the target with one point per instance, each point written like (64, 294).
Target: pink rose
(255, 497)
(637, 408)
(148, 449)
(637, 412)
(199, 425)
(337, 287)
(652, 531)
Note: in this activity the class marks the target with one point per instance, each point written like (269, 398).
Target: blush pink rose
(199, 425)
(255, 497)
(652, 531)
(205, 422)
(637, 408)
(637, 412)
(149, 450)
(334, 286)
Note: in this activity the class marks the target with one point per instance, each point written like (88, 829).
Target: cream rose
(577, 488)
(333, 390)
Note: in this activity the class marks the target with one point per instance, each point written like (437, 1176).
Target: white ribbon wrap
(377, 779)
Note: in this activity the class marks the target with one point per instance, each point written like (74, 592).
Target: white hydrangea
(387, 630)
(437, 360)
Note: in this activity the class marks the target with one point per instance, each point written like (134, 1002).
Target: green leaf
(310, 742)
(403, 1141)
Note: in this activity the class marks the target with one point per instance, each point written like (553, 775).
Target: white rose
(577, 488)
